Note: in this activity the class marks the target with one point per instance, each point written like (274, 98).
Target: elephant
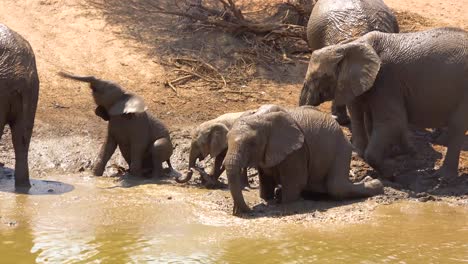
(392, 80)
(209, 138)
(143, 140)
(334, 21)
(19, 92)
(301, 149)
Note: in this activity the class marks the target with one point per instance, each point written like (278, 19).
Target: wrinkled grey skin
(390, 80)
(209, 138)
(19, 92)
(334, 21)
(142, 139)
(301, 149)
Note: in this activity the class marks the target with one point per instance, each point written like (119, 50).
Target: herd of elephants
(386, 80)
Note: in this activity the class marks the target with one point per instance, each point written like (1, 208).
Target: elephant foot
(374, 185)
(22, 186)
(240, 210)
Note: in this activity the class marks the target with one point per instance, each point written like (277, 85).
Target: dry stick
(182, 78)
(168, 83)
(207, 65)
(197, 75)
(239, 92)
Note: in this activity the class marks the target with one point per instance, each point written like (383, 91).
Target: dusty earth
(143, 50)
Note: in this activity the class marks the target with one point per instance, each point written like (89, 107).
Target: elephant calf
(142, 139)
(390, 80)
(19, 92)
(301, 149)
(209, 138)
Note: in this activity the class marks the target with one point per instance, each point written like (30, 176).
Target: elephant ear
(285, 137)
(102, 113)
(357, 71)
(128, 104)
(218, 139)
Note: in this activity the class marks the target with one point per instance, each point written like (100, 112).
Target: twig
(239, 92)
(168, 83)
(182, 78)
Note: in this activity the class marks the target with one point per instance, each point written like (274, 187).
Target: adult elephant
(391, 80)
(301, 149)
(334, 21)
(19, 91)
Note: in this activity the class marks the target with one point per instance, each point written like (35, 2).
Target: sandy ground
(133, 48)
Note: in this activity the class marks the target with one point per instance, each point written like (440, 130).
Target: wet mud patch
(38, 186)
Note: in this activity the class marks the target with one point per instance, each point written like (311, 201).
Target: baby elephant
(301, 149)
(209, 138)
(142, 139)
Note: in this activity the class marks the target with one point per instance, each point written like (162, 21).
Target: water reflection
(408, 233)
(139, 224)
(17, 239)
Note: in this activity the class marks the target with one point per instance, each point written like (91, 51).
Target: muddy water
(97, 220)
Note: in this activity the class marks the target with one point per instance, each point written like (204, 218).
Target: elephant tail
(88, 79)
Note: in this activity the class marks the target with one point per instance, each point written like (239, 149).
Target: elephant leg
(3, 120)
(456, 136)
(106, 152)
(244, 178)
(340, 187)
(21, 134)
(382, 137)
(293, 175)
(340, 114)
(161, 151)
(358, 127)
(218, 167)
(267, 185)
(368, 123)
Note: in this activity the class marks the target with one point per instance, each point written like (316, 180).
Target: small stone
(169, 198)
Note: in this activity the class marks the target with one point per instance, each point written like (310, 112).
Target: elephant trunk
(194, 155)
(233, 164)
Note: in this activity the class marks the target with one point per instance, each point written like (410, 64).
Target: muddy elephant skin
(19, 92)
(209, 138)
(301, 149)
(334, 21)
(392, 80)
(143, 140)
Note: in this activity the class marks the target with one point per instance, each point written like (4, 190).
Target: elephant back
(17, 63)
(320, 129)
(333, 21)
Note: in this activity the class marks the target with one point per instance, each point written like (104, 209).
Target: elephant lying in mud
(19, 92)
(301, 149)
(209, 138)
(390, 80)
(333, 21)
(142, 139)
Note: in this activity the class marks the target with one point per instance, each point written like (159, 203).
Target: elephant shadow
(312, 205)
(38, 187)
